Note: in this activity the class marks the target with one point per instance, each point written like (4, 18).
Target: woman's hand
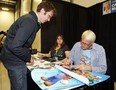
(66, 62)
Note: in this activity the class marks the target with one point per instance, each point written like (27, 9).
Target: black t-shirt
(60, 53)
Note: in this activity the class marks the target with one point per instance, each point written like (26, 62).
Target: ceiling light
(6, 9)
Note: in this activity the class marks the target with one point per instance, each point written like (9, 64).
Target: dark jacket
(60, 53)
(19, 39)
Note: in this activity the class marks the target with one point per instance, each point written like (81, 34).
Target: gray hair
(89, 35)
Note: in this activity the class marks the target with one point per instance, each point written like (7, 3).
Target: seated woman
(59, 50)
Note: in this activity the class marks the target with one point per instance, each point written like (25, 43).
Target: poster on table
(60, 78)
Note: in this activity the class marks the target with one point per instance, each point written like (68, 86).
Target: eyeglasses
(87, 44)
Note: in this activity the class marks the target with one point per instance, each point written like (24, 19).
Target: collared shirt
(98, 57)
(37, 17)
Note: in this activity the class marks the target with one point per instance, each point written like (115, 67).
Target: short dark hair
(47, 6)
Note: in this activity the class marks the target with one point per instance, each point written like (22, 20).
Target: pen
(70, 64)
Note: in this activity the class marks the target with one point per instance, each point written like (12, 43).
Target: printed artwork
(109, 7)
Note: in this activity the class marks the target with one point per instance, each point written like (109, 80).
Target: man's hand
(31, 61)
(84, 67)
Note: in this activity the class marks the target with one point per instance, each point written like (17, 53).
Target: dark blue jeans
(18, 77)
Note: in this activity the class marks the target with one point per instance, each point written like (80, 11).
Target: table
(73, 83)
(30, 83)
(38, 72)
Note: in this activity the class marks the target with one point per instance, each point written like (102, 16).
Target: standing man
(88, 55)
(16, 50)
